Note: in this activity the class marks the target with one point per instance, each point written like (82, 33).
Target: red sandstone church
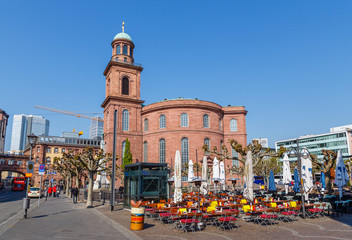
(157, 130)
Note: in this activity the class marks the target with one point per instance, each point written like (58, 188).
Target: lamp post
(234, 182)
(32, 139)
(300, 154)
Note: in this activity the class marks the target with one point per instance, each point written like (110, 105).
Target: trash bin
(137, 218)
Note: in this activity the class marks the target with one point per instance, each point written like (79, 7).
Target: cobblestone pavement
(321, 228)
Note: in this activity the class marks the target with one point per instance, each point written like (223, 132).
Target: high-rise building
(23, 125)
(3, 124)
(96, 129)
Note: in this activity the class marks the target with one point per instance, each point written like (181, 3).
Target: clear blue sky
(287, 62)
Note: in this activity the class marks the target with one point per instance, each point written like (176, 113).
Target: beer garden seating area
(225, 210)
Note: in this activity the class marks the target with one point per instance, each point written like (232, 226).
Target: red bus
(18, 184)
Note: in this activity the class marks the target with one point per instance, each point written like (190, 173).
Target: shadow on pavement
(147, 225)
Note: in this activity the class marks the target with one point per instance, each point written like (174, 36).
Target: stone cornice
(120, 99)
(120, 64)
(179, 104)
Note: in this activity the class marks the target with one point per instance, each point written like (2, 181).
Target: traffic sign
(30, 166)
(28, 175)
(41, 169)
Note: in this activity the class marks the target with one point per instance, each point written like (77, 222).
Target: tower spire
(123, 27)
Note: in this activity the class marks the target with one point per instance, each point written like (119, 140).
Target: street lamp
(304, 153)
(32, 139)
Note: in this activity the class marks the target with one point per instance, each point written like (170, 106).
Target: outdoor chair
(314, 212)
(190, 222)
(268, 218)
(227, 221)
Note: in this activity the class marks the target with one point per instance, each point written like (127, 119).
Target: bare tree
(260, 155)
(93, 161)
(326, 165)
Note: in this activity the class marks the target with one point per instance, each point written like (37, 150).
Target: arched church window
(125, 86)
(125, 50)
(125, 120)
(118, 49)
(205, 121)
(233, 125)
(162, 150)
(146, 127)
(162, 121)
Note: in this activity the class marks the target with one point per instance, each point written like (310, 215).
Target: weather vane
(123, 26)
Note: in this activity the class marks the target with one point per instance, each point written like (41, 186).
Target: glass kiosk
(147, 181)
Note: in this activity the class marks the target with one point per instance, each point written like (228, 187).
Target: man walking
(74, 194)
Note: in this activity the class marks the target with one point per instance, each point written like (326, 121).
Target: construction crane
(70, 113)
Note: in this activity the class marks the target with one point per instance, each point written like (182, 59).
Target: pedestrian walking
(121, 189)
(74, 194)
(50, 190)
(54, 190)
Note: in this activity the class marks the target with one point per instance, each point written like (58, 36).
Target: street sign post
(41, 173)
(41, 169)
(30, 166)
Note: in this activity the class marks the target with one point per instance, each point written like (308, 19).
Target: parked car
(34, 192)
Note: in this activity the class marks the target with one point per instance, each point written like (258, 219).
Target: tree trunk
(90, 191)
(68, 180)
(77, 182)
(328, 183)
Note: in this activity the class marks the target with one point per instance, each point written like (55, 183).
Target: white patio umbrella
(204, 186)
(101, 181)
(216, 170)
(178, 178)
(341, 175)
(190, 171)
(248, 173)
(222, 175)
(286, 172)
(307, 176)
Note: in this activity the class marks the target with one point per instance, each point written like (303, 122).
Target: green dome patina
(123, 35)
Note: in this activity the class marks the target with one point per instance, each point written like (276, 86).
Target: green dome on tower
(123, 35)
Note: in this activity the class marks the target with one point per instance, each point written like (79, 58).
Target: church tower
(123, 94)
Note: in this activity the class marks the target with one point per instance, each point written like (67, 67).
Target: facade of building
(157, 130)
(262, 141)
(96, 129)
(49, 147)
(23, 125)
(4, 117)
(339, 138)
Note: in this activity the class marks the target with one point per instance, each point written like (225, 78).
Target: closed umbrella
(204, 186)
(322, 181)
(286, 172)
(296, 186)
(190, 171)
(272, 186)
(307, 176)
(222, 174)
(178, 178)
(248, 174)
(341, 175)
(216, 172)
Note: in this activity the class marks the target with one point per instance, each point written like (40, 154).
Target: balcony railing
(115, 59)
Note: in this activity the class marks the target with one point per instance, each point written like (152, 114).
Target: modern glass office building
(339, 138)
(96, 129)
(23, 125)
